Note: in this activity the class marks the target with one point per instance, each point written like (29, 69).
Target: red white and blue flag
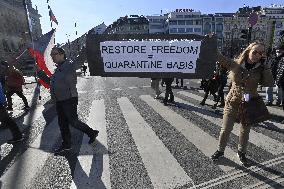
(40, 50)
(52, 17)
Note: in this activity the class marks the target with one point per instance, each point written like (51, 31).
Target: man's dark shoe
(165, 103)
(268, 103)
(202, 103)
(171, 101)
(243, 159)
(93, 136)
(217, 155)
(62, 149)
(15, 140)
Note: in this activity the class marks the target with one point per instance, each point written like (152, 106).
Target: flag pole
(31, 37)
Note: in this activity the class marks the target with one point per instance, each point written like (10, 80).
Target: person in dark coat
(274, 61)
(7, 121)
(279, 80)
(14, 84)
(222, 72)
(210, 86)
(169, 93)
(64, 93)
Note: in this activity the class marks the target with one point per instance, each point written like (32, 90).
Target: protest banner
(151, 55)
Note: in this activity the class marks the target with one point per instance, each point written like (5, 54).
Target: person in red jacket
(14, 84)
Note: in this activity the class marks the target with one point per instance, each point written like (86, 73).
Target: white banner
(150, 56)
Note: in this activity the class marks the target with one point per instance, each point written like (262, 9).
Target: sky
(90, 13)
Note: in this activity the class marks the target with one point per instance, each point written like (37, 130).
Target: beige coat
(239, 75)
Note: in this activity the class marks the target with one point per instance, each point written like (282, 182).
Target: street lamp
(69, 45)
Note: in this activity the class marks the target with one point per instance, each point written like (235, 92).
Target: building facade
(133, 24)
(184, 21)
(157, 23)
(275, 22)
(14, 27)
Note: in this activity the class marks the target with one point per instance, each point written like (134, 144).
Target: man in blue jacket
(64, 93)
(7, 121)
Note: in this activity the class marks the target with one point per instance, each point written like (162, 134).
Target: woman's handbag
(253, 111)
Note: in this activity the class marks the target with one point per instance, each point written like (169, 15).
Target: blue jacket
(2, 96)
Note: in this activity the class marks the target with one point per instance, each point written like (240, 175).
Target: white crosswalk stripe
(153, 152)
(260, 140)
(272, 110)
(93, 167)
(29, 118)
(21, 173)
(193, 133)
(93, 159)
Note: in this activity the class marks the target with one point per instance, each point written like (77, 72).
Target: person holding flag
(65, 95)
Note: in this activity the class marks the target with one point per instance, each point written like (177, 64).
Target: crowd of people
(252, 68)
(63, 92)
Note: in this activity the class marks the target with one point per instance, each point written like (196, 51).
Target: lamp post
(69, 45)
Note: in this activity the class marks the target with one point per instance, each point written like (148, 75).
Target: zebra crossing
(258, 139)
(95, 166)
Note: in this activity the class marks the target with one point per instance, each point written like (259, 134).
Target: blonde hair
(244, 55)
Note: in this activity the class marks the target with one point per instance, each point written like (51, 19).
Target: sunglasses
(257, 52)
(53, 54)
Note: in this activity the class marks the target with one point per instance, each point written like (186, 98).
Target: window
(219, 27)
(156, 20)
(179, 16)
(181, 22)
(156, 27)
(181, 30)
(187, 16)
(207, 19)
(173, 22)
(278, 24)
(197, 22)
(197, 30)
(207, 26)
(189, 30)
(189, 22)
(173, 30)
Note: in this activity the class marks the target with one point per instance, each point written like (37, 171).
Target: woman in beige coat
(246, 72)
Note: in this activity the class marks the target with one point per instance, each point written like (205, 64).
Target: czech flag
(52, 17)
(40, 50)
